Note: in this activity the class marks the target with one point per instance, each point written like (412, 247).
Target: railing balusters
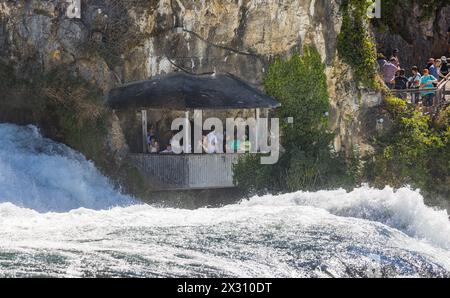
(440, 91)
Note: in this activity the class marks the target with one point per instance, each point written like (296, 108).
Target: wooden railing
(442, 90)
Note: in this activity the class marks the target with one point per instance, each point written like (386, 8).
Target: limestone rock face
(418, 36)
(119, 41)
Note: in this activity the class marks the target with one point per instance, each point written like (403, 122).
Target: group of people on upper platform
(394, 77)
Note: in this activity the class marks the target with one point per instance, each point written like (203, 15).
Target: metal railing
(441, 91)
(185, 172)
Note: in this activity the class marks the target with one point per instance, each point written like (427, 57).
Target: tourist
(414, 83)
(208, 144)
(434, 68)
(233, 145)
(444, 67)
(153, 147)
(389, 70)
(150, 134)
(430, 63)
(427, 81)
(394, 58)
(212, 141)
(401, 83)
(437, 66)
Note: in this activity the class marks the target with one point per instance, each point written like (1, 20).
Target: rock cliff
(119, 41)
(418, 28)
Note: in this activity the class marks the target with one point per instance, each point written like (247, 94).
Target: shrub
(355, 45)
(308, 161)
(414, 151)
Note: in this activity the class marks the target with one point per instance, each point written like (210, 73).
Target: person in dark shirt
(444, 66)
(434, 69)
(401, 82)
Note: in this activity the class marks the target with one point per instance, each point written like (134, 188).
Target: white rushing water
(60, 217)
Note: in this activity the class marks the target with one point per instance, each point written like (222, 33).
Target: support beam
(144, 131)
(198, 131)
(258, 117)
(187, 136)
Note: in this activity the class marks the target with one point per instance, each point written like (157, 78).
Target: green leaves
(355, 44)
(299, 83)
(415, 151)
(308, 162)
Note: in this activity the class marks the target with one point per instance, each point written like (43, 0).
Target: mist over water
(60, 217)
(40, 174)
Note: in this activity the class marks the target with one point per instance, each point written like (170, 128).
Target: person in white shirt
(212, 141)
(207, 148)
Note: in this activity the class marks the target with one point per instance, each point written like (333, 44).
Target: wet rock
(116, 42)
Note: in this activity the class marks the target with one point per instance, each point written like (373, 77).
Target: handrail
(417, 90)
(440, 90)
(444, 81)
(441, 84)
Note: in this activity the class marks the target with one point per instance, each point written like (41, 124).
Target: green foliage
(355, 44)
(252, 177)
(308, 161)
(300, 84)
(415, 151)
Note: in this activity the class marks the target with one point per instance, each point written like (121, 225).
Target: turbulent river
(60, 217)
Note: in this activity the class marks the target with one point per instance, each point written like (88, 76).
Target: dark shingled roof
(182, 91)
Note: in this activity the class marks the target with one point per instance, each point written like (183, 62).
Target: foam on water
(60, 217)
(46, 176)
(403, 209)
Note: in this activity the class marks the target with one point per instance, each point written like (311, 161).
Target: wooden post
(258, 116)
(198, 131)
(187, 134)
(144, 131)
